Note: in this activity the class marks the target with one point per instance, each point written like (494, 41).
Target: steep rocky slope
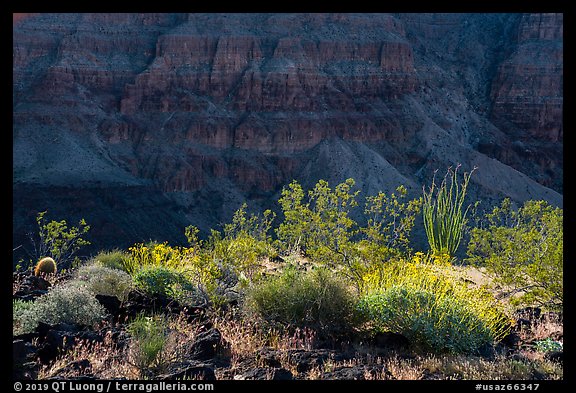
(145, 123)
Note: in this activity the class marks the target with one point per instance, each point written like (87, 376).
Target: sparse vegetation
(115, 259)
(316, 299)
(522, 250)
(66, 303)
(244, 243)
(102, 280)
(328, 278)
(149, 337)
(58, 241)
(548, 345)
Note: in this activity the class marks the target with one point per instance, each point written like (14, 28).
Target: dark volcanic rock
(206, 345)
(307, 360)
(22, 352)
(391, 341)
(54, 340)
(511, 340)
(555, 356)
(269, 358)
(262, 373)
(138, 302)
(31, 287)
(81, 367)
(189, 370)
(359, 373)
(110, 303)
(58, 339)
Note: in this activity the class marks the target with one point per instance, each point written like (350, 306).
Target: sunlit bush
(316, 299)
(102, 280)
(523, 251)
(67, 303)
(422, 300)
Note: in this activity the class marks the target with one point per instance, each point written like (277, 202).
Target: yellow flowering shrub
(423, 300)
(193, 269)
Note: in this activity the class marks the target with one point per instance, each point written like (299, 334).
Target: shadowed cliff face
(189, 115)
(18, 17)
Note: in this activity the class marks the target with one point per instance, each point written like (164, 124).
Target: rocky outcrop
(527, 100)
(200, 112)
(528, 88)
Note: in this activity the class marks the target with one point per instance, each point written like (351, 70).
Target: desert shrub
(102, 280)
(244, 242)
(522, 250)
(391, 219)
(444, 213)
(156, 254)
(176, 284)
(548, 345)
(66, 303)
(114, 259)
(316, 299)
(19, 308)
(149, 336)
(57, 240)
(434, 322)
(320, 225)
(159, 280)
(422, 300)
(188, 274)
(45, 265)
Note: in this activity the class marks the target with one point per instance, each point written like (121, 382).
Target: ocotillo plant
(444, 216)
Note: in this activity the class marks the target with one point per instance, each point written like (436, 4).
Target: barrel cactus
(45, 265)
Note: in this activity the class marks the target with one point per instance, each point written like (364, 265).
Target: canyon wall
(145, 123)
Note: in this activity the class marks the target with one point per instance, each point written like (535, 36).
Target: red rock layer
(528, 88)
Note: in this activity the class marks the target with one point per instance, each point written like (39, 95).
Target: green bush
(57, 240)
(149, 336)
(67, 303)
(425, 301)
(115, 259)
(19, 308)
(316, 299)
(190, 275)
(160, 280)
(243, 244)
(319, 225)
(438, 323)
(548, 345)
(102, 280)
(522, 250)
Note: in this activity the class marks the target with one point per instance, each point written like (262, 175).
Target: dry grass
(301, 339)
(244, 337)
(248, 335)
(471, 368)
(457, 367)
(106, 361)
(549, 326)
(404, 369)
